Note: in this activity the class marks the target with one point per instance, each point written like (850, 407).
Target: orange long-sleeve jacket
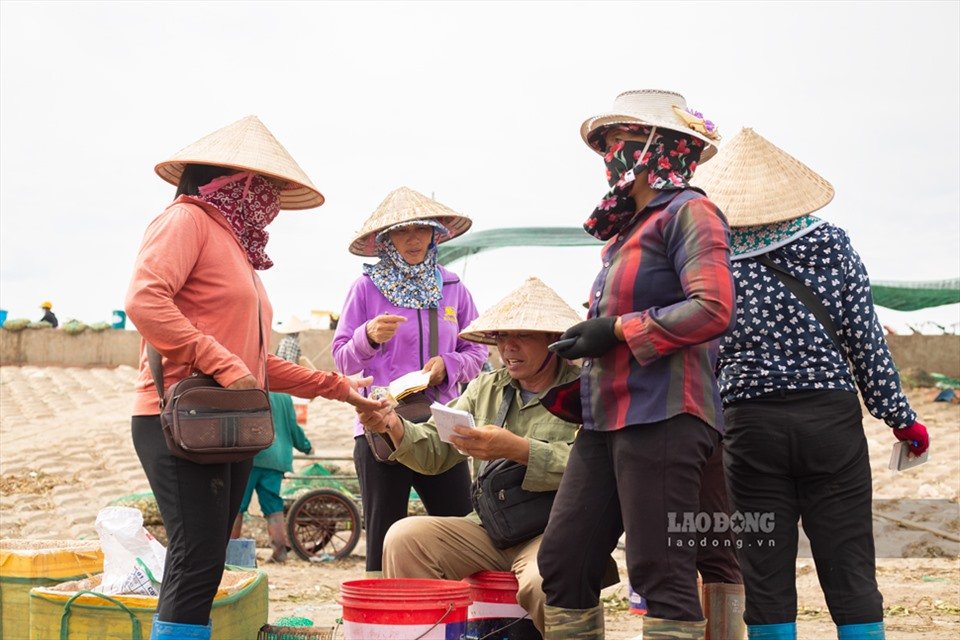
(194, 297)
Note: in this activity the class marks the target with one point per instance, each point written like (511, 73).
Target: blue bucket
(3, 316)
(119, 319)
(242, 552)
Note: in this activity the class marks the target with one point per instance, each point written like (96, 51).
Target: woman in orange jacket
(195, 296)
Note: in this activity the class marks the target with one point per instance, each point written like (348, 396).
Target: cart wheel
(323, 522)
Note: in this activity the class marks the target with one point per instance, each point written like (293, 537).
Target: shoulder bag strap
(508, 393)
(806, 296)
(156, 368)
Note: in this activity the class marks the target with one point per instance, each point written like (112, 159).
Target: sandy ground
(66, 452)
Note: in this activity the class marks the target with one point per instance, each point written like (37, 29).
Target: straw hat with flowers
(755, 183)
(661, 109)
(404, 205)
(247, 145)
(532, 307)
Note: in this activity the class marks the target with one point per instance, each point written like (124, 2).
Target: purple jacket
(410, 347)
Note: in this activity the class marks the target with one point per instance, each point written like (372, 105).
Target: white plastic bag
(132, 558)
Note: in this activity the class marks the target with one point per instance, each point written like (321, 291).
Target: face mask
(249, 202)
(624, 156)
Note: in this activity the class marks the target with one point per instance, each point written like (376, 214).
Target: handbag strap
(156, 363)
(504, 406)
(805, 295)
(501, 418)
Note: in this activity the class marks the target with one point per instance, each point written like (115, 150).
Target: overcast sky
(479, 104)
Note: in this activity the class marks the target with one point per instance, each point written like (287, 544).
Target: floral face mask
(249, 202)
(668, 157)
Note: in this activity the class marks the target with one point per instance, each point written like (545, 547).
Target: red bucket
(401, 609)
(300, 411)
(495, 614)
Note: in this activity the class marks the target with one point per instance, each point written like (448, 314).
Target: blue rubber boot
(178, 631)
(782, 631)
(866, 631)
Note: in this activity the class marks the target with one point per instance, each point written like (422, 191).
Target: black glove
(594, 338)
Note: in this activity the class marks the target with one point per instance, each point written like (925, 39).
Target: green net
(910, 296)
(471, 243)
(900, 296)
(294, 487)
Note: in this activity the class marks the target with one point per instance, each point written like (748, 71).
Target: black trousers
(803, 455)
(717, 547)
(385, 494)
(630, 479)
(198, 504)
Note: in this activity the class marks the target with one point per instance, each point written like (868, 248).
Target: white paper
(901, 459)
(417, 380)
(446, 419)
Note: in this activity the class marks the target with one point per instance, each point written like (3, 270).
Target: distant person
(806, 338)
(48, 315)
(195, 296)
(289, 347)
(267, 475)
(404, 315)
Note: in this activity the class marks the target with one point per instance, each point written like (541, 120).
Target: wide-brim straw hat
(406, 205)
(293, 325)
(754, 182)
(532, 307)
(247, 145)
(661, 109)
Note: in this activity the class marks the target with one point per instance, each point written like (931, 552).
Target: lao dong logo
(718, 522)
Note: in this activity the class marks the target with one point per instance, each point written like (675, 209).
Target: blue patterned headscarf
(413, 286)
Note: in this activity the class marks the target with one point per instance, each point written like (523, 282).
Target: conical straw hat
(754, 182)
(247, 145)
(293, 325)
(532, 307)
(406, 205)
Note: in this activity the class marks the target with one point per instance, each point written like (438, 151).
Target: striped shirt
(668, 277)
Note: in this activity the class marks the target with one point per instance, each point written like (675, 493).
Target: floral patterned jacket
(778, 344)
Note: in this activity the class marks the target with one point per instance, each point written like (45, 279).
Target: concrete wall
(933, 354)
(52, 347)
(48, 347)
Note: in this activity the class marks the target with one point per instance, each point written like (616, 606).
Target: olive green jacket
(550, 437)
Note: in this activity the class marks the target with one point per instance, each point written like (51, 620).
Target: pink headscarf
(249, 202)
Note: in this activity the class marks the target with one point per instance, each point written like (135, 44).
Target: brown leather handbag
(207, 424)
(415, 407)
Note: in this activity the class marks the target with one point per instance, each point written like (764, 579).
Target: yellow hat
(46, 304)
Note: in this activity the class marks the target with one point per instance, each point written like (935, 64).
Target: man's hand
(490, 442)
(437, 370)
(382, 328)
(358, 400)
(246, 382)
(382, 420)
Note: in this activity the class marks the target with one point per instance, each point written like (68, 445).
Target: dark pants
(385, 493)
(629, 479)
(803, 455)
(716, 549)
(198, 504)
